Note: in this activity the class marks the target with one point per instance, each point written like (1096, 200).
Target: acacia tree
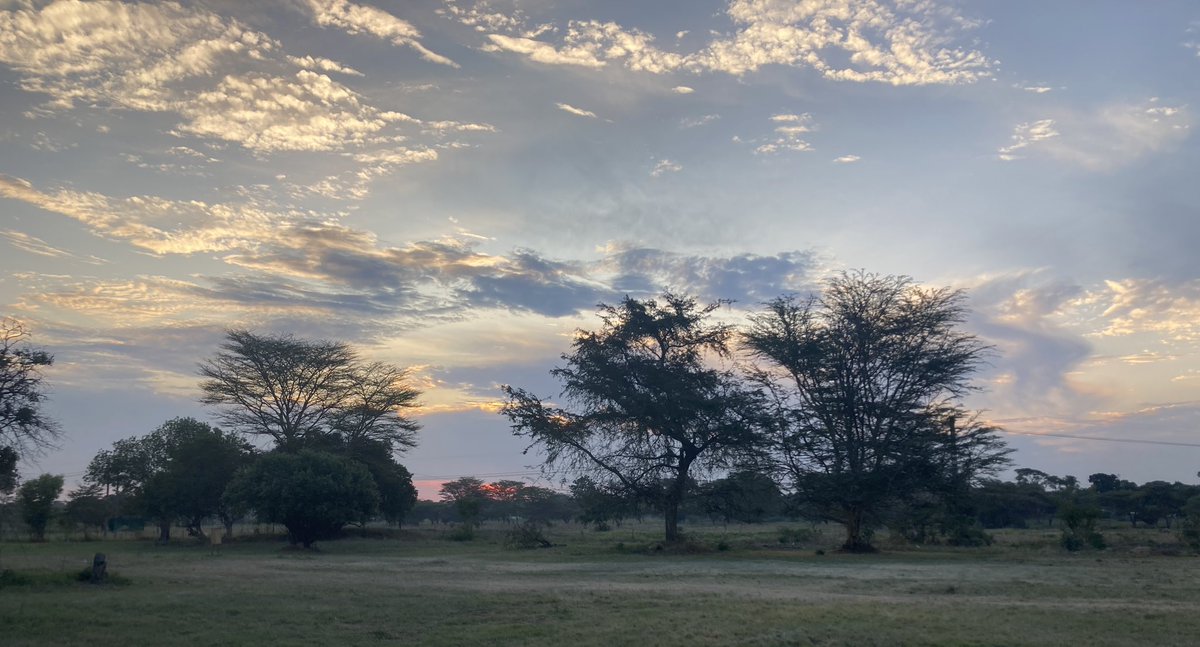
(867, 381)
(277, 386)
(645, 403)
(303, 393)
(23, 425)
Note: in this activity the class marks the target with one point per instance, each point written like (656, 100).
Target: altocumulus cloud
(845, 40)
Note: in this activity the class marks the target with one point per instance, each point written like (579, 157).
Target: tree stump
(99, 568)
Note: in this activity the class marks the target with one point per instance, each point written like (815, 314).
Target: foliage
(1079, 527)
(178, 471)
(300, 392)
(9, 476)
(24, 426)
(644, 404)
(1000, 504)
(36, 498)
(467, 496)
(794, 535)
(747, 496)
(867, 381)
(598, 506)
(529, 534)
(462, 532)
(397, 495)
(313, 494)
(87, 507)
(1189, 523)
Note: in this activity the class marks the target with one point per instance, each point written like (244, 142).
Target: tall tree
(36, 498)
(303, 393)
(8, 470)
(868, 380)
(178, 471)
(313, 494)
(23, 425)
(200, 462)
(278, 386)
(646, 402)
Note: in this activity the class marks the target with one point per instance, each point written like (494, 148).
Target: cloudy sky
(452, 185)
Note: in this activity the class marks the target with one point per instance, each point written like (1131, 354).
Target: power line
(1138, 441)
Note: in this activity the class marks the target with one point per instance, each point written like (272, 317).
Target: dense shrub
(313, 494)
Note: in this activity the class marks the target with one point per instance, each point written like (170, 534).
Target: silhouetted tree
(397, 494)
(24, 426)
(1101, 483)
(299, 392)
(200, 462)
(178, 471)
(87, 507)
(867, 380)
(313, 494)
(466, 494)
(644, 403)
(9, 476)
(36, 498)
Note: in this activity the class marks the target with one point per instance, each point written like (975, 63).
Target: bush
(1079, 528)
(1189, 524)
(313, 494)
(461, 532)
(973, 536)
(795, 535)
(527, 535)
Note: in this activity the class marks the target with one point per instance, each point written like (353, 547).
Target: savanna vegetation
(716, 473)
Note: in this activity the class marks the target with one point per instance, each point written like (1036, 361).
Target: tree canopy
(176, 472)
(646, 402)
(36, 498)
(313, 494)
(867, 381)
(24, 426)
(303, 393)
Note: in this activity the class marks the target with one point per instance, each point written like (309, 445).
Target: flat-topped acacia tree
(308, 394)
(646, 403)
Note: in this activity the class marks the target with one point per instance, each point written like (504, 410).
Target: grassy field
(614, 588)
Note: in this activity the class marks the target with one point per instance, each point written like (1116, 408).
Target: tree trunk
(228, 522)
(855, 529)
(164, 532)
(671, 517)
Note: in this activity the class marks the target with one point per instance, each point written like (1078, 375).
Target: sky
(453, 185)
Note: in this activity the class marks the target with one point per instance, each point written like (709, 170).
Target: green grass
(419, 588)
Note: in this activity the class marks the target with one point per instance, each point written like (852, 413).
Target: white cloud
(665, 166)
(540, 52)
(1105, 138)
(321, 64)
(846, 40)
(133, 56)
(362, 19)
(1026, 134)
(225, 82)
(1137, 306)
(682, 89)
(788, 134)
(846, 159)
(566, 107)
(693, 122)
(1037, 89)
(309, 112)
(35, 245)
